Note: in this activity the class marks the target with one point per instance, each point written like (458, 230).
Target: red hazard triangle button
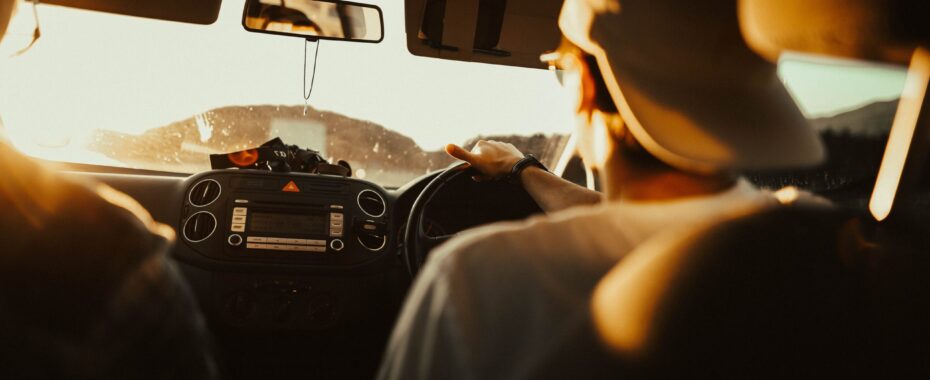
(291, 187)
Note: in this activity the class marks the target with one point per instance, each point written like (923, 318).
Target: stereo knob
(234, 240)
(337, 245)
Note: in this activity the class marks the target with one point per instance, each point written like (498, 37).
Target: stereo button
(257, 239)
(336, 216)
(337, 245)
(234, 240)
(240, 211)
(238, 219)
(237, 227)
(310, 249)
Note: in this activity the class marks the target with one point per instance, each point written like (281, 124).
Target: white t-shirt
(499, 302)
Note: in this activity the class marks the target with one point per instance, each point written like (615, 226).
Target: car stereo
(310, 229)
(244, 215)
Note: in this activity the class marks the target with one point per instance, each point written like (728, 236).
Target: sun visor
(202, 12)
(503, 32)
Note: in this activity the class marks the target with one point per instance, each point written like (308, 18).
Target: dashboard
(302, 273)
(296, 274)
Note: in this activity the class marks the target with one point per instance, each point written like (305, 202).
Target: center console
(285, 218)
(289, 251)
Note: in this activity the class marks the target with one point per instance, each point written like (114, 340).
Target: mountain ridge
(382, 155)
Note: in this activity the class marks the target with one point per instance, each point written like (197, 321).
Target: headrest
(794, 292)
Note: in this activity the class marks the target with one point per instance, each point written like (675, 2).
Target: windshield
(115, 90)
(148, 94)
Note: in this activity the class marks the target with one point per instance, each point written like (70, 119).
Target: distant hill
(870, 120)
(185, 145)
(386, 156)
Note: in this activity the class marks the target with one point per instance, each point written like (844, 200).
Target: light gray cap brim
(687, 86)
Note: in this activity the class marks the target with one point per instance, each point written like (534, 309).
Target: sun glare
(902, 134)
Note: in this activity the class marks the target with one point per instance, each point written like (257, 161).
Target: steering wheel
(418, 244)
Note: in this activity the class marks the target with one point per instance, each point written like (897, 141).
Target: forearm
(495, 160)
(553, 193)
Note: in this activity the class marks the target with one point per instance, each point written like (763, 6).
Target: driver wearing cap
(670, 105)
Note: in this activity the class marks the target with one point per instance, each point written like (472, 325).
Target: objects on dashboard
(277, 156)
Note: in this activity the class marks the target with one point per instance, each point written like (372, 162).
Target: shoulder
(573, 242)
(495, 288)
(540, 231)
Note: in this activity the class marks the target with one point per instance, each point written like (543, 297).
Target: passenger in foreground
(87, 290)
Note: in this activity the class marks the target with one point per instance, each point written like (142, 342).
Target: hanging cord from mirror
(316, 52)
(36, 34)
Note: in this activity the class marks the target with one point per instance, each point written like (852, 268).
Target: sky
(824, 87)
(98, 71)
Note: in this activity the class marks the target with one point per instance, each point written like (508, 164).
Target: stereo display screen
(297, 224)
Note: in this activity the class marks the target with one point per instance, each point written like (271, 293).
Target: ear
(603, 144)
(588, 88)
(595, 144)
(578, 83)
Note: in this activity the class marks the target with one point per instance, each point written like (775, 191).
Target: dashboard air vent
(199, 227)
(204, 193)
(371, 203)
(371, 235)
(372, 242)
(323, 185)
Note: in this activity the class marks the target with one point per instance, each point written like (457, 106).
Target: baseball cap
(689, 88)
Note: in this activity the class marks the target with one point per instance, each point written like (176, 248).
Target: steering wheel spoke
(431, 242)
(417, 243)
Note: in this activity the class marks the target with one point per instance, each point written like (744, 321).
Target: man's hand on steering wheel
(493, 160)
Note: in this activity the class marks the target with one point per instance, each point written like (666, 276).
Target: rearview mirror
(315, 19)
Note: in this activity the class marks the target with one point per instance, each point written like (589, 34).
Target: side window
(851, 104)
(855, 142)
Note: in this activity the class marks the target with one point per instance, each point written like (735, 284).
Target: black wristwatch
(527, 161)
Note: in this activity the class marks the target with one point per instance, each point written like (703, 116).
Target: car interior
(301, 225)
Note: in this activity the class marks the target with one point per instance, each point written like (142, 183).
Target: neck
(622, 182)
